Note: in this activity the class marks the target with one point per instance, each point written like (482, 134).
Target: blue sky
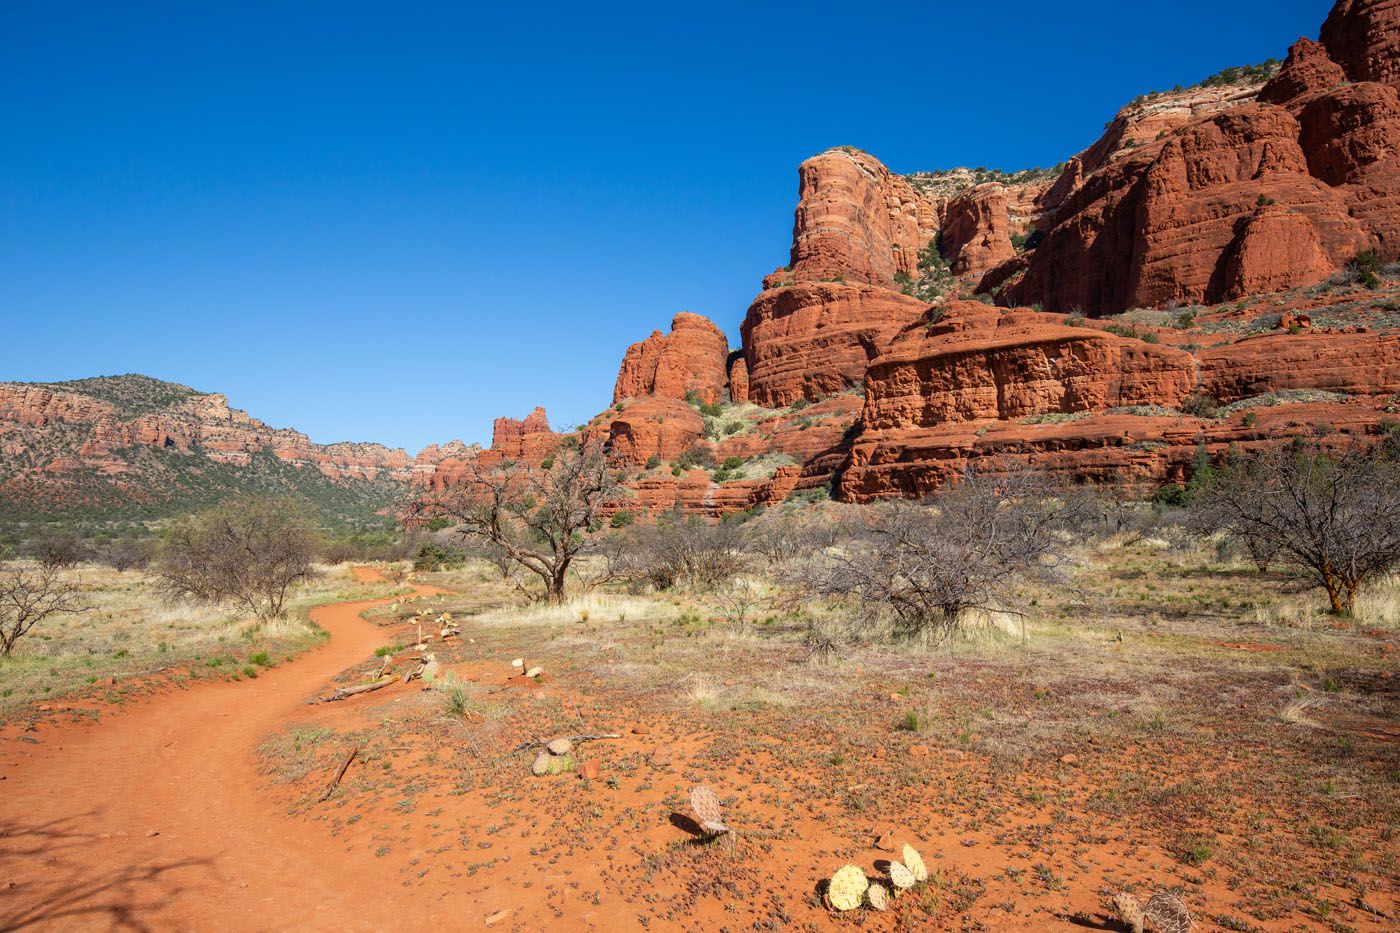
(395, 221)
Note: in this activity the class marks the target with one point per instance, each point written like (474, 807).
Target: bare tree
(122, 554)
(538, 518)
(783, 534)
(246, 552)
(679, 551)
(28, 596)
(58, 549)
(928, 565)
(1331, 517)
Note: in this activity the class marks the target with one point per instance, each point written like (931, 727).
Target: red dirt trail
(154, 818)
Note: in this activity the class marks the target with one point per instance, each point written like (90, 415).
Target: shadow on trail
(44, 887)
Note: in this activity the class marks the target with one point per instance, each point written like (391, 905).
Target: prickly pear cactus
(560, 747)
(901, 876)
(540, 766)
(915, 863)
(560, 764)
(847, 888)
(1167, 913)
(707, 811)
(878, 897)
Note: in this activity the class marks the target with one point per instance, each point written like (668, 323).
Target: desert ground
(1168, 720)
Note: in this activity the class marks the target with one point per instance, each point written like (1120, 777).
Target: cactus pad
(915, 863)
(847, 888)
(706, 806)
(878, 897)
(902, 877)
(1167, 913)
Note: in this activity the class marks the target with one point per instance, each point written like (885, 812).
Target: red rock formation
(1354, 364)
(1274, 249)
(980, 363)
(1154, 226)
(977, 230)
(530, 440)
(649, 427)
(857, 220)
(1363, 36)
(815, 339)
(738, 377)
(690, 359)
(1307, 69)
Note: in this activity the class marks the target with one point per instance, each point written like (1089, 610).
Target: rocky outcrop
(1363, 36)
(1354, 364)
(198, 422)
(738, 377)
(814, 339)
(1307, 69)
(979, 363)
(858, 221)
(1159, 225)
(1273, 249)
(689, 362)
(977, 230)
(650, 427)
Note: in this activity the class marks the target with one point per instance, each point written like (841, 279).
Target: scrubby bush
(925, 566)
(438, 555)
(246, 552)
(1332, 518)
(676, 552)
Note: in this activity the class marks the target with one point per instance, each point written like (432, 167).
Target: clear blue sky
(395, 221)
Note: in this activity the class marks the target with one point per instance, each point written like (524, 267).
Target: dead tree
(28, 596)
(536, 518)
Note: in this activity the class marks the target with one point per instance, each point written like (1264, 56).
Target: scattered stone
(641, 730)
(881, 753)
(498, 916)
(661, 756)
(920, 751)
(152, 832)
(1068, 759)
(884, 839)
(589, 769)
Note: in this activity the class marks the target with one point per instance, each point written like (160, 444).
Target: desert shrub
(28, 596)
(697, 455)
(438, 555)
(123, 554)
(677, 552)
(784, 534)
(935, 276)
(534, 520)
(622, 518)
(246, 552)
(925, 566)
(1201, 406)
(58, 549)
(1332, 518)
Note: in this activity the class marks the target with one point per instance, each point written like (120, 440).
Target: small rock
(641, 730)
(152, 832)
(881, 753)
(560, 747)
(589, 769)
(920, 751)
(661, 756)
(498, 916)
(884, 839)
(1068, 759)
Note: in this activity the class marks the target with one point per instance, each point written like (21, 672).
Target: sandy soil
(154, 820)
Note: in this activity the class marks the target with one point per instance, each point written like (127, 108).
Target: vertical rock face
(815, 339)
(1274, 249)
(692, 358)
(1363, 36)
(1158, 225)
(977, 230)
(530, 439)
(738, 377)
(857, 220)
(1174, 218)
(649, 427)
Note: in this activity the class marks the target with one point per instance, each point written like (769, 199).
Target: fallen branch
(339, 773)
(343, 692)
(538, 743)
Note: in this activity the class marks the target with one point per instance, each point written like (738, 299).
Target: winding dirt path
(153, 818)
